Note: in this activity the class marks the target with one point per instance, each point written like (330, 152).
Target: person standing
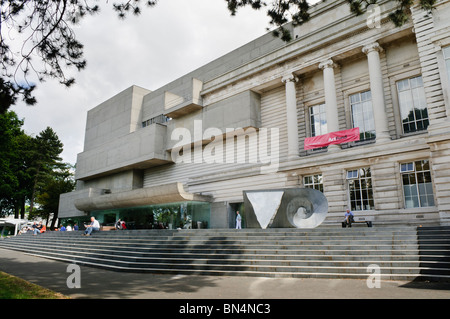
(238, 220)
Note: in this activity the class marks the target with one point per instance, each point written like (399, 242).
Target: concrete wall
(114, 118)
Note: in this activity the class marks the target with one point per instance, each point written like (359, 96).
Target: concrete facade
(248, 114)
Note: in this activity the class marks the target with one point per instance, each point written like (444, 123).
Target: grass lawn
(15, 288)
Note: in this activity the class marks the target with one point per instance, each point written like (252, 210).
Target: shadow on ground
(100, 283)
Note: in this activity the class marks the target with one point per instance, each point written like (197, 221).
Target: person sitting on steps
(349, 218)
(94, 225)
(41, 228)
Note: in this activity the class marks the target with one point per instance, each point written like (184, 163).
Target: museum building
(182, 156)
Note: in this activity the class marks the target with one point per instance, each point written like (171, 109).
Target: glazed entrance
(183, 215)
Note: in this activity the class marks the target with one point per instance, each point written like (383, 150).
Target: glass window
(407, 167)
(318, 120)
(175, 215)
(446, 52)
(360, 189)
(314, 181)
(362, 115)
(161, 119)
(413, 108)
(417, 185)
(352, 174)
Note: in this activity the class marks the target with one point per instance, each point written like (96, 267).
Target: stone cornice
(298, 47)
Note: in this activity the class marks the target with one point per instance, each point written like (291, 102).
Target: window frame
(418, 194)
(160, 119)
(307, 104)
(446, 59)
(322, 116)
(365, 119)
(409, 72)
(319, 184)
(361, 190)
(411, 95)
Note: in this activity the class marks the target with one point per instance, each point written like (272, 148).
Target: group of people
(36, 228)
(120, 224)
(68, 228)
(39, 228)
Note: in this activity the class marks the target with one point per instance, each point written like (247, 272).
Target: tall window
(314, 181)
(360, 189)
(318, 120)
(447, 61)
(413, 108)
(417, 184)
(362, 115)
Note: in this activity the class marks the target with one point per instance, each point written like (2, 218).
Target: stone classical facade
(239, 123)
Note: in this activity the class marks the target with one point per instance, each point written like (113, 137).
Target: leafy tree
(10, 130)
(21, 164)
(45, 159)
(58, 182)
(15, 177)
(47, 27)
(25, 164)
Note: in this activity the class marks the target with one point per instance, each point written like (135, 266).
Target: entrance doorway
(232, 209)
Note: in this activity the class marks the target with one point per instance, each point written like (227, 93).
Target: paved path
(103, 284)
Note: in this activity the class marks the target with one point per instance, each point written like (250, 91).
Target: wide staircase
(398, 253)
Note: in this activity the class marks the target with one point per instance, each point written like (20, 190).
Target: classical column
(330, 95)
(372, 51)
(291, 115)
(330, 98)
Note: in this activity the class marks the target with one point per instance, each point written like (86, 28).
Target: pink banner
(332, 138)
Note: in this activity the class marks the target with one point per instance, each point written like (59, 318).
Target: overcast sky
(161, 45)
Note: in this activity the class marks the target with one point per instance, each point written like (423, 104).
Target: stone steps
(401, 253)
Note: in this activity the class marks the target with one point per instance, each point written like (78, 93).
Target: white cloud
(161, 45)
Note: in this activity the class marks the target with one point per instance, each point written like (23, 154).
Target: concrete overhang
(176, 105)
(162, 194)
(142, 149)
(184, 108)
(240, 111)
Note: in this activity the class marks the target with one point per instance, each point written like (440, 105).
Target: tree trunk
(33, 193)
(22, 209)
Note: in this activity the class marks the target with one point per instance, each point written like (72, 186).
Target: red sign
(332, 138)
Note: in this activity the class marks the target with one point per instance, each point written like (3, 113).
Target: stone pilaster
(330, 95)
(291, 115)
(372, 51)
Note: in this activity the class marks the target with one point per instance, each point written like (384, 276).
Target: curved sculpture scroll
(285, 208)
